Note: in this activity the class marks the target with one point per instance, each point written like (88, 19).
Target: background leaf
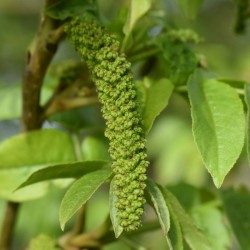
(80, 192)
(95, 148)
(218, 122)
(43, 242)
(194, 237)
(11, 99)
(190, 7)
(211, 221)
(68, 170)
(12, 178)
(63, 9)
(118, 229)
(40, 147)
(247, 99)
(236, 203)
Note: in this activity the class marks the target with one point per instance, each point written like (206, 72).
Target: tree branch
(38, 59)
(8, 225)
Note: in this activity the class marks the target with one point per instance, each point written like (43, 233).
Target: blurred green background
(170, 143)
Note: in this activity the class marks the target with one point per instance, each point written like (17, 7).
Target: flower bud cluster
(112, 75)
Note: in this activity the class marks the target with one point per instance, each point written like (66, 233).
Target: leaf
(67, 170)
(39, 147)
(160, 207)
(80, 192)
(194, 237)
(175, 233)
(132, 243)
(190, 7)
(155, 97)
(218, 122)
(74, 120)
(187, 195)
(63, 9)
(95, 148)
(118, 229)
(42, 242)
(137, 9)
(237, 84)
(10, 179)
(236, 203)
(247, 99)
(211, 221)
(10, 102)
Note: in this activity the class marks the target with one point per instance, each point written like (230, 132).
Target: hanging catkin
(112, 75)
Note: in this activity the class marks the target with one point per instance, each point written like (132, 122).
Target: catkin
(112, 75)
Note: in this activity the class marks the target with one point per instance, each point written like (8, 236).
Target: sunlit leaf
(218, 122)
(67, 170)
(237, 204)
(80, 192)
(41, 147)
(10, 179)
(137, 9)
(118, 229)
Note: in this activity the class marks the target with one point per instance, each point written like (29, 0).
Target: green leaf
(118, 229)
(68, 170)
(194, 237)
(80, 192)
(95, 148)
(247, 99)
(10, 179)
(175, 233)
(160, 207)
(218, 122)
(187, 195)
(154, 96)
(10, 102)
(137, 9)
(190, 7)
(39, 147)
(43, 242)
(236, 203)
(237, 84)
(211, 221)
(63, 9)
(81, 118)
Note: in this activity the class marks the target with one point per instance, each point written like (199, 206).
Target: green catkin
(112, 75)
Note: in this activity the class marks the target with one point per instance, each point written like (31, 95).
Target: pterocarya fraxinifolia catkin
(112, 75)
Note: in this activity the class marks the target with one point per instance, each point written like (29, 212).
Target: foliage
(132, 135)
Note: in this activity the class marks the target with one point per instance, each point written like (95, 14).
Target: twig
(8, 225)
